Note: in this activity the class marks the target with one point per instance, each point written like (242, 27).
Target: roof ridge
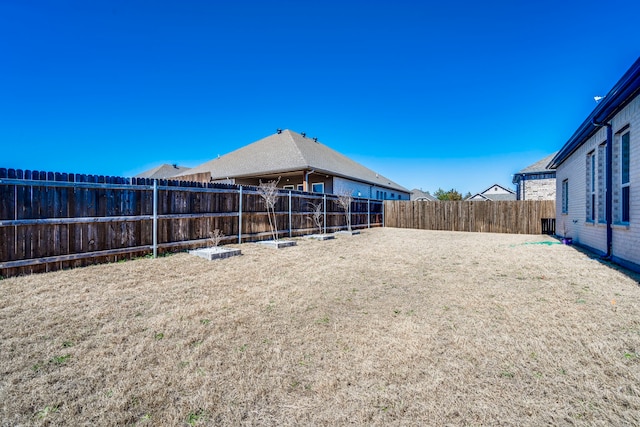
(295, 144)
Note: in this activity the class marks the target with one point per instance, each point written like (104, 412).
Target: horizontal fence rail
(51, 221)
(516, 217)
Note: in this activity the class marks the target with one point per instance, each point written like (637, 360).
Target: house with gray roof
(301, 163)
(422, 196)
(163, 171)
(536, 181)
(494, 193)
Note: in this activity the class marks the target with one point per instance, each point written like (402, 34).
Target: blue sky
(430, 94)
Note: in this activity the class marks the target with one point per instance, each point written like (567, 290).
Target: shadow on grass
(600, 257)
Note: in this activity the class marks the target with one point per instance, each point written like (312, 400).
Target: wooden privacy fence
(51, 221)
(518, 217)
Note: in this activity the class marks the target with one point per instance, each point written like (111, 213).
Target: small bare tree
(344, 200)
(316, 215)
(216, 236)
(269, 192)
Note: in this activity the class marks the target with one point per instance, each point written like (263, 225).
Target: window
(591, 186)
(565, 196)
(288, 187)
(601, 181)
(317, 187)
(624, 167)
(300, 187)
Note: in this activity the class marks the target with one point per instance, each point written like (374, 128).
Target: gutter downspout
(306, 179)
(608, 187)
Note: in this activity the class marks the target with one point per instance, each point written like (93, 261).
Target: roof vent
(279, 131)
(315, 139)
(304, 135)
(175, 165)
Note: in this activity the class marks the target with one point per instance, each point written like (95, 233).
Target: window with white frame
(602, 148)
(624, 175)
(317, 187)
(591, 186)
(300, 187)
(288, 187)
(565, 196)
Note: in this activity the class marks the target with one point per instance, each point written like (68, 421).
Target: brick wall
(539, 189)
(626, 236)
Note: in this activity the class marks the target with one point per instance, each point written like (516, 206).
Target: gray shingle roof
(289, 151)
(505, 195)
(500, 197)
(162, 172)
(417, 194)
(540, 166)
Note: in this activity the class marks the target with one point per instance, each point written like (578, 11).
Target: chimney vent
(315, 139)
(304, 135)
(279, 131)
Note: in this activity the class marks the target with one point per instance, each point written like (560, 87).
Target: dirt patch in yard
(391, 327)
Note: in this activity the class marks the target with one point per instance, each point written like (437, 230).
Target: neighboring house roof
(496, 193)
(162, 172)
(420, 195)
(288, 151)
(539, 167)
(617, 98)
(478, 196)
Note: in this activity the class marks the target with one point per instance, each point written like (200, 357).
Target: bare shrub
(316, 215)
(344, 200)
(269, 192)
(216, 237)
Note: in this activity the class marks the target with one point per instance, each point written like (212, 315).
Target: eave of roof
(617, 98)
(539, 167)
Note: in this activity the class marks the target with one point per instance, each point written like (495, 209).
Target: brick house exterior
(299, 163)
(598, 176)
(536, 181)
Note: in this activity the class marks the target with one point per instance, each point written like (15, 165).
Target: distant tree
(468, 195)
(452, 194)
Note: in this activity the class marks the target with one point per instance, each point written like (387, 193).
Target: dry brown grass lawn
(392, 327)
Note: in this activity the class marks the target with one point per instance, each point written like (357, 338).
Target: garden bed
(215, 252)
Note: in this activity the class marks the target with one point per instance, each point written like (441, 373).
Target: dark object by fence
(548, 226)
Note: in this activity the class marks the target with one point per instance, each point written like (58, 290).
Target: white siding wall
(626, 237)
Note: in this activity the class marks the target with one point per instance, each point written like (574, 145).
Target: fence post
(383, 213)
(368, 213)
(324, 204)
(290, 224)
(240, 216)
(155, 218)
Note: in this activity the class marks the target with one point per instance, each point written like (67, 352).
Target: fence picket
(519, 217)
(61, 217)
